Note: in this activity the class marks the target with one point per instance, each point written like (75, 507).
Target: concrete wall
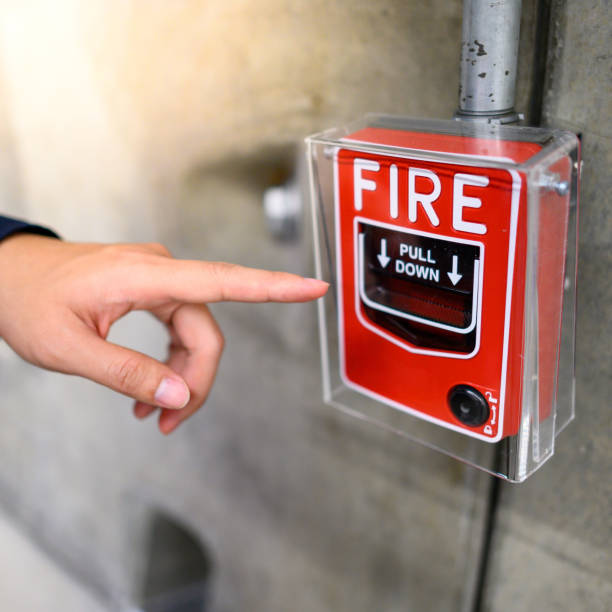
(152, 120)
(553, 540)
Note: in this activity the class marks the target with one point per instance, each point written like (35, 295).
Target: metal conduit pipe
(489, 52)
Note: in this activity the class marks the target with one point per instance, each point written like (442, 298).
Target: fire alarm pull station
(451, 250)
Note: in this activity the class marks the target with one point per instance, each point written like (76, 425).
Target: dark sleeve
(9, 226)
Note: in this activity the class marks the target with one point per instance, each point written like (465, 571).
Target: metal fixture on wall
(283, 210)
(489, 52)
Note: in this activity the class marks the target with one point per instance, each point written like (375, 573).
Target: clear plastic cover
(451, 251)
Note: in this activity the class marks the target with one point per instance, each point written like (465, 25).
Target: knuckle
(43, 354)
(114, 251)
(49, 353)
(122, 253)
(213, 345)
(225, 268)
(213, 340)
(159, 249)
(220, 271)
(118, 256)
(217, 341)
(127, 374)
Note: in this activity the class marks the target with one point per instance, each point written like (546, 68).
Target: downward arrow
(454, 276)
(383, 258)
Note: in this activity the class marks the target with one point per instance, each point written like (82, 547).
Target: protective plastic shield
(451, 252)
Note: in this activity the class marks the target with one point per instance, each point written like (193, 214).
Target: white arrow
(383, 258)
(454, 276)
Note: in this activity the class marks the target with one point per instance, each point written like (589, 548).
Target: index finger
(205, 282)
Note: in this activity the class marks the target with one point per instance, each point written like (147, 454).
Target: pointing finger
(202, 282)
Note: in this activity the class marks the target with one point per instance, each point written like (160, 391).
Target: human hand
(58, 301)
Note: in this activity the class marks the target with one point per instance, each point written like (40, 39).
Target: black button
(468, 405)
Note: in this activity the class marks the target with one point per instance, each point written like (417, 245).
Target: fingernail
(172, 393)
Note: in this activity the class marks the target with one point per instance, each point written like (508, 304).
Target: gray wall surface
(166, 121)
(553, 539)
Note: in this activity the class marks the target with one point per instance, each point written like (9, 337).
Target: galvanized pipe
(489, 52)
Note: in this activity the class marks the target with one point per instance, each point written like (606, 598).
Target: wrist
(21, 242)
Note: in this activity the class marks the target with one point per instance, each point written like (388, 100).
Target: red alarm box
(448, 249)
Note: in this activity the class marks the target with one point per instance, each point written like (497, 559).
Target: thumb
(132, 373)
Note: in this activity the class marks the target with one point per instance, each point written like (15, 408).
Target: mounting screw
(552, 182)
